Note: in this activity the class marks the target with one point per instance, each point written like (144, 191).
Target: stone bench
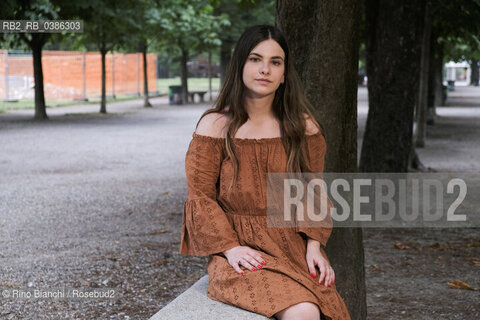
(201, 94)
(194, 304)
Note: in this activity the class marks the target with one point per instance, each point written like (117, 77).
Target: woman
(261, 123)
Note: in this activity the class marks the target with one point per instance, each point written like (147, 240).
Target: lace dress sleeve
(317, 230)
(205, 226)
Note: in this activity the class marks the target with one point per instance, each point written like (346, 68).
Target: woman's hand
(244, 256)
(315, 257)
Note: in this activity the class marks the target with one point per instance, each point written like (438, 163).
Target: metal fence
(73, 75)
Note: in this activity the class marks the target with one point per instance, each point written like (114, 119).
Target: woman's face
(265, 61)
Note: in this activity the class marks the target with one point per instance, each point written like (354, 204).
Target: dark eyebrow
(275, 57)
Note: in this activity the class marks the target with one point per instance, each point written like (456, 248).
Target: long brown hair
(289, 105)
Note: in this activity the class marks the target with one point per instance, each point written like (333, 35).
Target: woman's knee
(300, 311)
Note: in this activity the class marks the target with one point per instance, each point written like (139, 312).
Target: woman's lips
(263, 81)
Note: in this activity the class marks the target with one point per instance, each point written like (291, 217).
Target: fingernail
(253, 269)
(259, 266)
(243, 273)
(313, 275)
(263, 262)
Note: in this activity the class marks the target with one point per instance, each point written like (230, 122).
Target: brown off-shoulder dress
(215, 219)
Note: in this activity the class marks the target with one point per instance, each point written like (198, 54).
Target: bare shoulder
(311, 125)
(212, 125)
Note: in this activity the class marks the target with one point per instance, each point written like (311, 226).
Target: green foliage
(243, 14)
(456, 28)
(461, 49)
(188, 25)
(26, 10)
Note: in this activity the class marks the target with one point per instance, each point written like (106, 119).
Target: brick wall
(64, 75)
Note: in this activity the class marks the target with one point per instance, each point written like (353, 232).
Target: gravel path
(94, 201)
(90, 200)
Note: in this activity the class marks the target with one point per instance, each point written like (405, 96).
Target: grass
(52, 103)
(194, 84)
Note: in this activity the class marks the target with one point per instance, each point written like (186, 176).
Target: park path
(90, 200)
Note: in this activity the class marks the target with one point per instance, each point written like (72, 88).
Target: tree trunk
(432, 83)
(36, 44)
(474, 75)
(146, 102)
(225, 57)
(323, 41)
(184, 74)
(439, 92)
(421, 114)
(393, 79)
(103, 102)
(209, 71)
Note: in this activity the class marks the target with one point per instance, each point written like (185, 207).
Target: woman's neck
(259, 109)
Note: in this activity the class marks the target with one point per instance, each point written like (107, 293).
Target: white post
(6, 77)
(84, 72)
(138, 74)
(113, 75)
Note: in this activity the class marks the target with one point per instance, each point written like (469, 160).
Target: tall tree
(455, 23)
(107, 24)
(453, 20)
(186, 23)
(144, 30)
(32, 10)
(393, 79)
(323, 39)
(421, 106)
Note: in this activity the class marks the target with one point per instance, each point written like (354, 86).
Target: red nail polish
(259, 266)
(313, 275)
(253, 269)
(263, 262)
(243, 273)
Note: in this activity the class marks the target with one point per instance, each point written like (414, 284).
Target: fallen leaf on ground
(474, 244)
(375, 267)
(476, 261)
(8, 284)
(437, 245)
(159, 232)
(456, 284)
(399, 245)
(160, 262)
(166, 193)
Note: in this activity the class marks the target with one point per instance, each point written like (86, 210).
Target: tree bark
(474, 75)
(146, 102)
(432, 83)
(439, 92)
(421, 114)
(209, 71)
(184, 74)
(103, 102)
(323, 42)
(225, 57)
(394, 33)
(36, 44)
